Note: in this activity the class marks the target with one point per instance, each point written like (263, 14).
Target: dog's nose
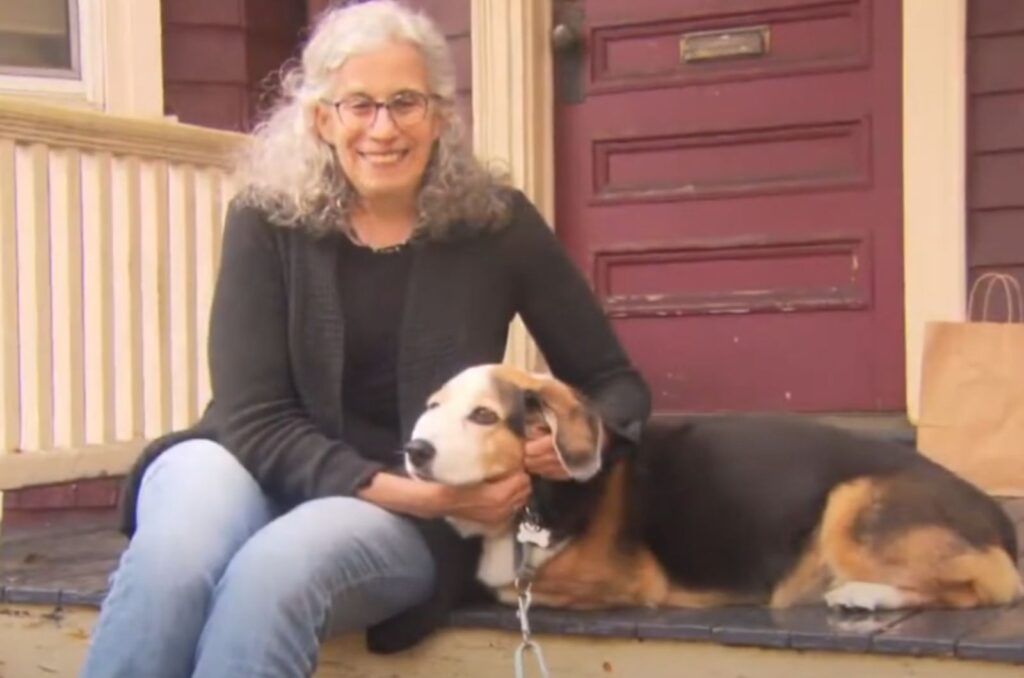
(419, 451)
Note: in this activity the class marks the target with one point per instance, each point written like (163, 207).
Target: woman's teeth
(383, 158)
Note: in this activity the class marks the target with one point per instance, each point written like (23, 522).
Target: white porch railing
(109, 238)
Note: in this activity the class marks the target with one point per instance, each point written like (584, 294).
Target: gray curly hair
(287, 170)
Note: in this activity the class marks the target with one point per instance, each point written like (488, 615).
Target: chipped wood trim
(60, 465)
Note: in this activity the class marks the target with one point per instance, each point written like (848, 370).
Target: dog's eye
(483, 416)
(432, 405)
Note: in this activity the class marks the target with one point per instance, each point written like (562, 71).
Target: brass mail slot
(728, 43)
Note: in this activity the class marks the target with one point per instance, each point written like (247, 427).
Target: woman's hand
(542, 459)
(492, 503)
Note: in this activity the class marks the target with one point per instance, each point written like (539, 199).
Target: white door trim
(934, 173)
(513, 111)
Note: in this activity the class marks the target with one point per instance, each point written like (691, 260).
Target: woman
(367, 259)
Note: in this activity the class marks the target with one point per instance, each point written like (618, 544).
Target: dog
(721, 510)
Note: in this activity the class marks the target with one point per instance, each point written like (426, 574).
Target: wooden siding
(218, 57)
(995, 138)
(221, 58)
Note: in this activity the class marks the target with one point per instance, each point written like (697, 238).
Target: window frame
(74, 48)
(81, 85)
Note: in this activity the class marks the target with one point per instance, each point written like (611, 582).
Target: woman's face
(383, 151)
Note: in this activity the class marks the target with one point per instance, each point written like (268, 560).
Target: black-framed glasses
(407, 109)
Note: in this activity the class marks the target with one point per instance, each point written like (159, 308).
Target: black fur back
(731, 501)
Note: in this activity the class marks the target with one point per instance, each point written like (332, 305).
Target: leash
(529, 536)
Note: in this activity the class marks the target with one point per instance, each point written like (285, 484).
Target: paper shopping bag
(972, 390)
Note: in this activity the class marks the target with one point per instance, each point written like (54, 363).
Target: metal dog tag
(530, 533)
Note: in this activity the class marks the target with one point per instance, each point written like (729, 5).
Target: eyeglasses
(407, 109)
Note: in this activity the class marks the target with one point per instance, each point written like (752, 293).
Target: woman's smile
(382, 122)
(383, 159)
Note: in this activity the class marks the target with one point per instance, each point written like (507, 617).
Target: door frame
(514, 125)
(934, 172)
(513, 114)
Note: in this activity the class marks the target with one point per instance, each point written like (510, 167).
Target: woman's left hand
(542, 459)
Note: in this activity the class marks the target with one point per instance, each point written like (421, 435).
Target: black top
(372, 285)
(277, 332)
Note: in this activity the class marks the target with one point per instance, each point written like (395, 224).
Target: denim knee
(201, 478)
(297, 565)
(197, 506)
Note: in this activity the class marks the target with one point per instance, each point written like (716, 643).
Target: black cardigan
(276, 348)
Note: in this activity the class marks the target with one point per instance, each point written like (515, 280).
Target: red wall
(217, 55)
(995, 136)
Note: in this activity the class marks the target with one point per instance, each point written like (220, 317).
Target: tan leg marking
(928, 566)
(807, 581)
(593, 571)
(679, 596)
(980, 577)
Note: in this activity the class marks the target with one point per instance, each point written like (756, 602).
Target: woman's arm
(491, 503)
(569, 325)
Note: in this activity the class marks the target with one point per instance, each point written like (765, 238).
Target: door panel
(730, 183)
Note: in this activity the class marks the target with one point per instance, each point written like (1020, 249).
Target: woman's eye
(483, 416)
(432, 405)
(359, 107)
(402, 105)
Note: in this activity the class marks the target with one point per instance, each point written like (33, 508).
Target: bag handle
(1012, 290)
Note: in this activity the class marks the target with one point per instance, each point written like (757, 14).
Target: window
(99, 54)
(39, 38)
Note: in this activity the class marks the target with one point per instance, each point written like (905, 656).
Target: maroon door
(728, 176)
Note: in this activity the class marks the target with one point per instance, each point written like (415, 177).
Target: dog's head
(476, 426)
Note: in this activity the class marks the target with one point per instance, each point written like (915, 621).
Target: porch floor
(67, 566)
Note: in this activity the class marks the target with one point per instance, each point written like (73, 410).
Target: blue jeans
(216, 583)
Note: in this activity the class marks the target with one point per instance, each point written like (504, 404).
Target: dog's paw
(866, 596)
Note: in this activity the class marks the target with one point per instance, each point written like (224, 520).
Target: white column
(934, 169)
(513, 112)
(132, 60)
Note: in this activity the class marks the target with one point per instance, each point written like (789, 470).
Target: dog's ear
(575, 426)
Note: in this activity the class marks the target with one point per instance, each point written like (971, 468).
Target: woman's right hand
(492, 503)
